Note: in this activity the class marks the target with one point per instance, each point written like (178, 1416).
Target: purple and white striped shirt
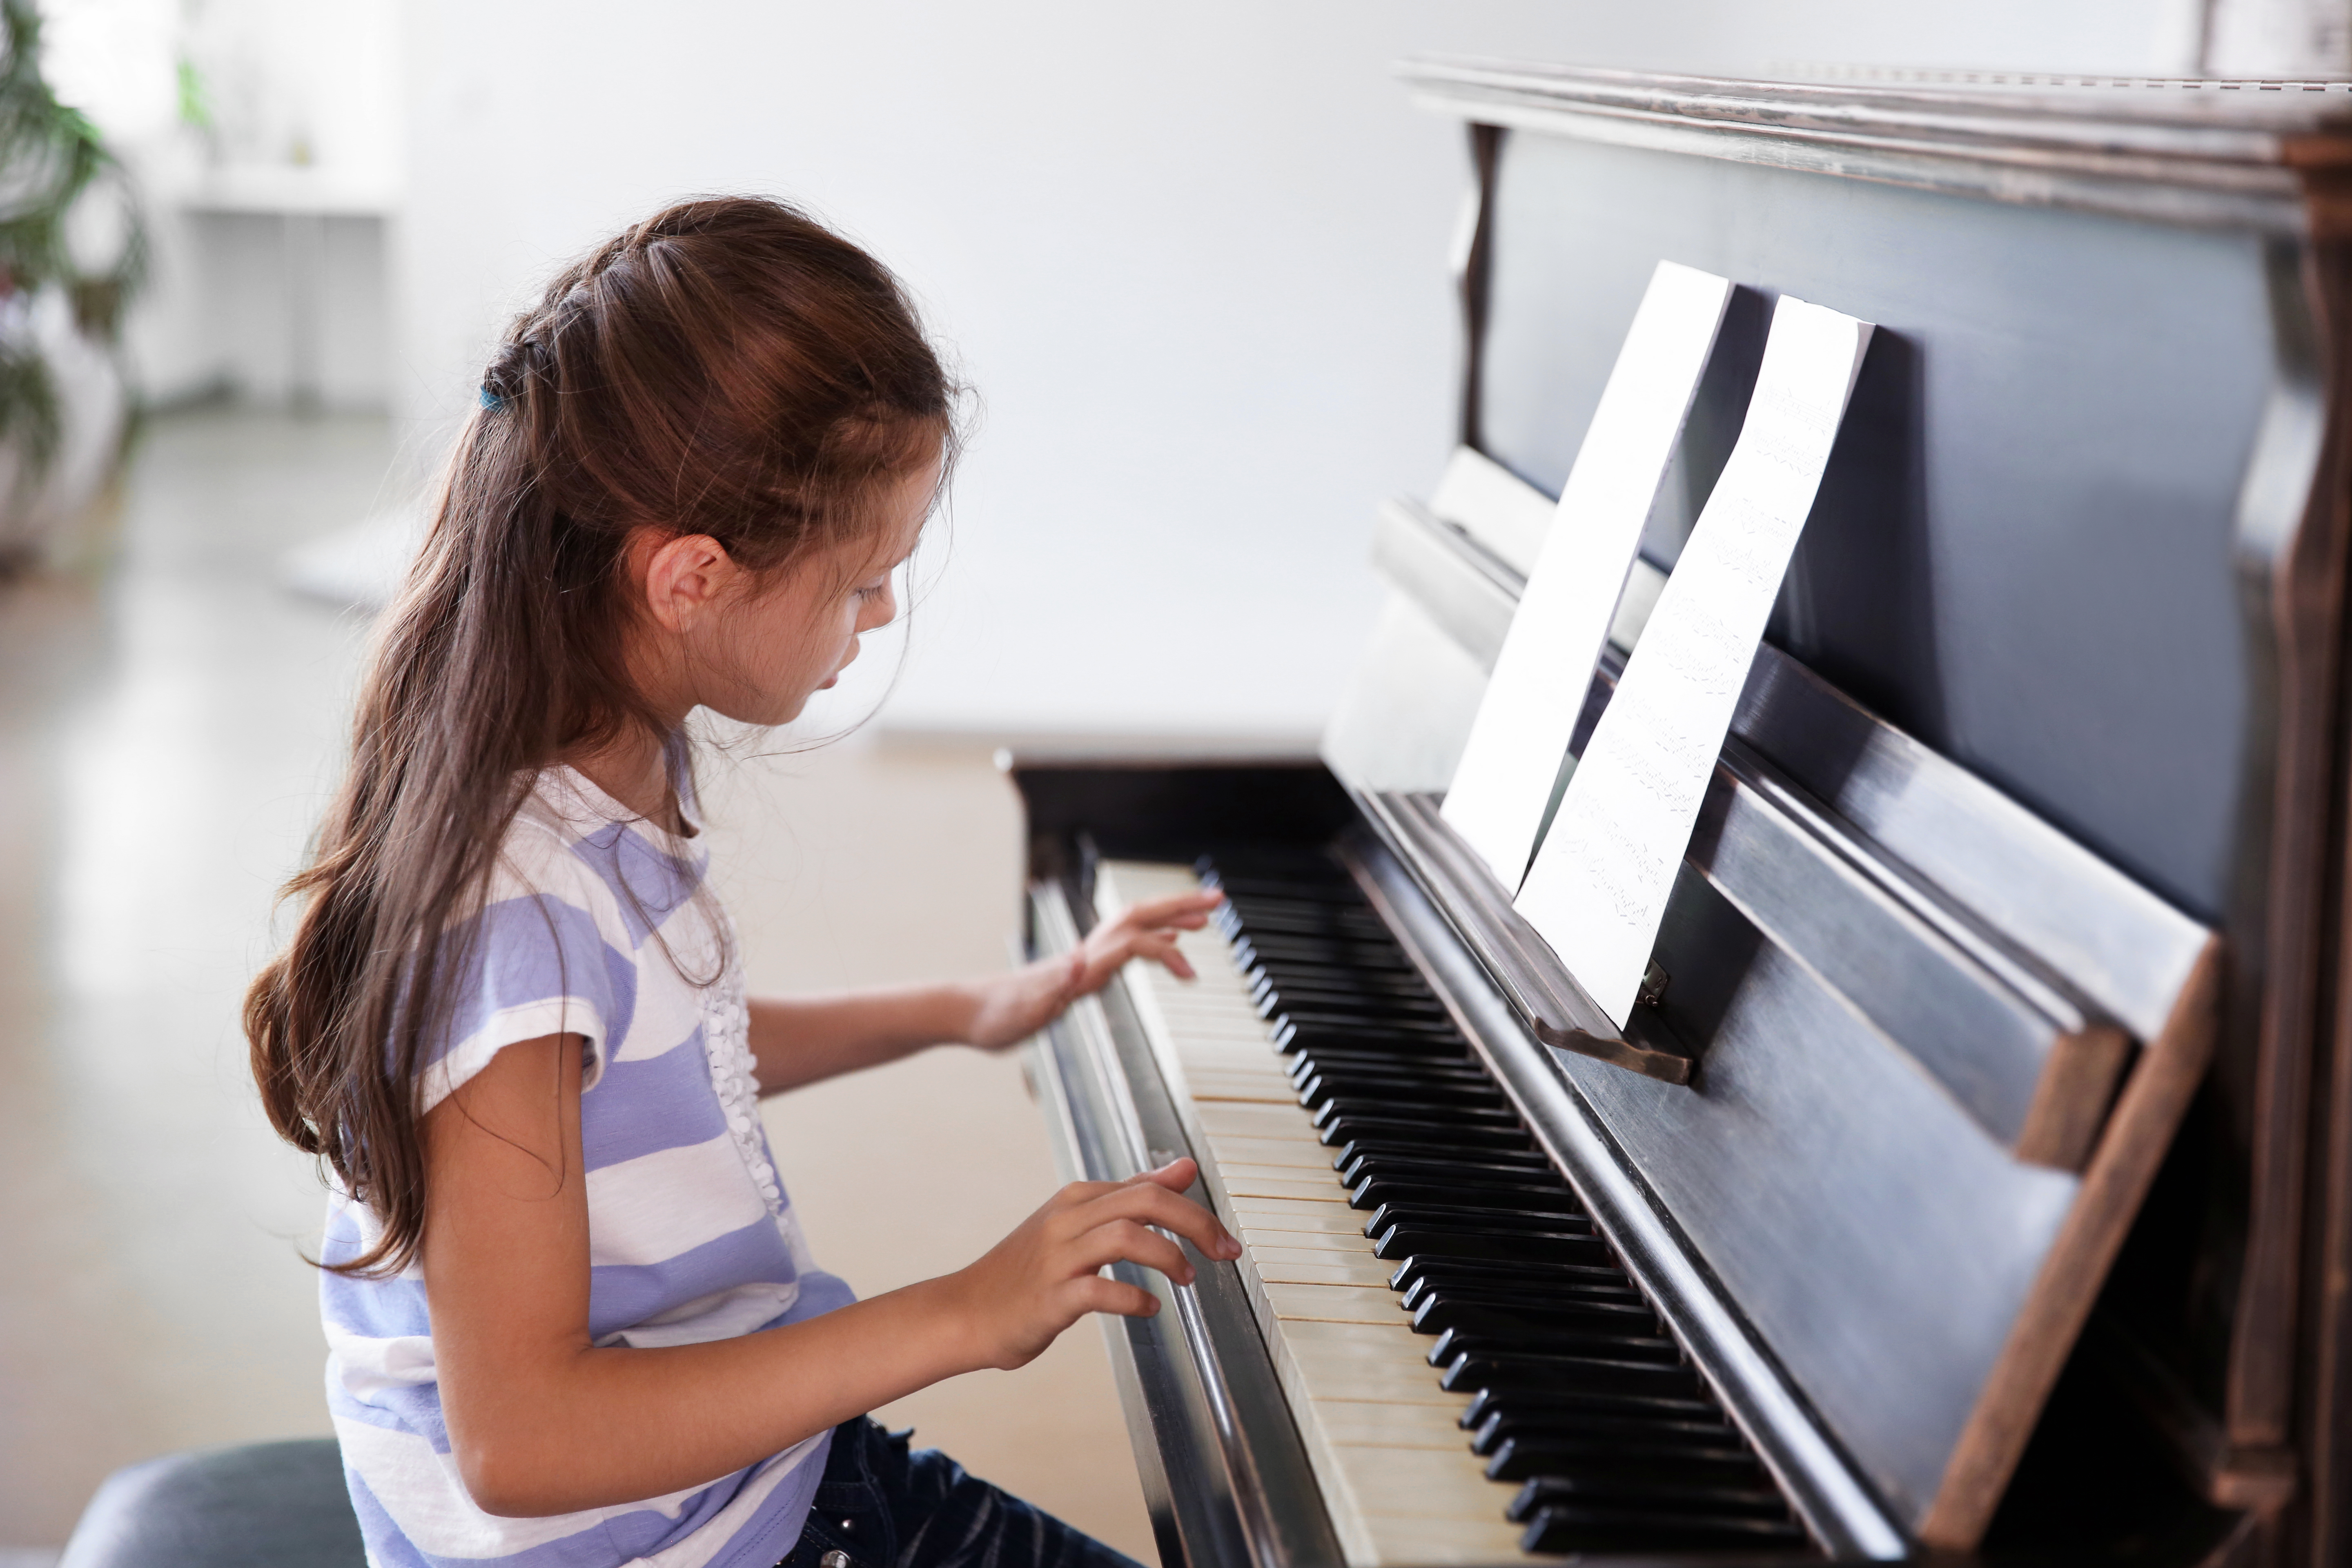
(593, 926)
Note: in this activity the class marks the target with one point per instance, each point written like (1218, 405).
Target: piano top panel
(2026, 549)
(2261, 155)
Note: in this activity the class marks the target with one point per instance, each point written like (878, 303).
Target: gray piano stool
(264, 1505)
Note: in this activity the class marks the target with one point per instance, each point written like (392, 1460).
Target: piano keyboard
(1473, 1375)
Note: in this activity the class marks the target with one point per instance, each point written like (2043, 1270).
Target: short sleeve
(538, 960)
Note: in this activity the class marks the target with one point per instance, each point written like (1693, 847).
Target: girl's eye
(872, 591)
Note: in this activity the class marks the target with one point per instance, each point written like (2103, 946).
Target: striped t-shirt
(592, 926)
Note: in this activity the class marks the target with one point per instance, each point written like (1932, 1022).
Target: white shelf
(283, 189)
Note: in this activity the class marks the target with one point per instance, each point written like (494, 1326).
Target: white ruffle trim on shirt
(726, 1045)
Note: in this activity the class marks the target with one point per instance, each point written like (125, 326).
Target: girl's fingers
(1152, 1203)
(1190, 910)
(1093, 1293)
(1159, 946)
(1124, 1241)
(1073, 1193)
(1171, 957)
(1176, 1176)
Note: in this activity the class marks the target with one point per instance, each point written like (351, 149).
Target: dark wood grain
(2146, 1114)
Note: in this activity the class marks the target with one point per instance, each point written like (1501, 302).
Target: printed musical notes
(1600, 883)
(1504, 782)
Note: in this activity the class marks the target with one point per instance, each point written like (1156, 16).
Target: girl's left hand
(1010, 1008)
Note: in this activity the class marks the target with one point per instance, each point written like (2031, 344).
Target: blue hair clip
(492, 401)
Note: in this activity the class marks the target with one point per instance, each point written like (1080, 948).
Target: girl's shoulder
(570, 841)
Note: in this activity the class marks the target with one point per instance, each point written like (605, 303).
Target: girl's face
(790, 638)
(755, 650)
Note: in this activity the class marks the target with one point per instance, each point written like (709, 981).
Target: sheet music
(1599, 885)
(1519, 738)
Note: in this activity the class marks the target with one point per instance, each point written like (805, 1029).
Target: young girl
(572, 1318)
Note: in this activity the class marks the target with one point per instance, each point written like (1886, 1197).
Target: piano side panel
(1875, 1237)
(2023, 550)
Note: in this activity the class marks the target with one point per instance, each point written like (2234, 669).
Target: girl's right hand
(1041, 1278)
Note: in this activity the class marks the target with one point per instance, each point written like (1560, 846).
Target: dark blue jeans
(883, 1506)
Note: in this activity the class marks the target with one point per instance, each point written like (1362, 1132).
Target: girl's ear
(680, 575)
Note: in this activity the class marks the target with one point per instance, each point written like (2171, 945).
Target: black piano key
(1472, 1169)
(1516, 1198)
(1337, 953)
(1432, 1094)
(1339, 1131)
(1334, 974)
(1701, 1496)
(1387, 1162)
(1389, 1012)
(1431, 1100)
(1367, 1020)
(1489, 1404)
(1467, 1115)
(1284, 958)
(1582, 1529)
(1280, 967)
(1385, 1001)
(1624, 1487)
(1390, 1002)
(1492, 1293)
(1532, 1360)
(1590, 1279)
(1590, 1327)
(1463, 1218)
(1288, 1033)
(1370, 1028)
(1705, 1490)
(1427, 1066)
(1602, 1346)
(1513, 1368)
(1520, 1380)
(1313, 882)
(1306, 1065)
(1273, 919)
(1634, 1425)
(1523, 1458)
(1449, 1075)
(1598, 1296)
(1461, 1065)
(1532, 1161)
(1605, 1328)
(1400, 1242)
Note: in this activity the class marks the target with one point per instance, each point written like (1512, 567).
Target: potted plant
(72, 254)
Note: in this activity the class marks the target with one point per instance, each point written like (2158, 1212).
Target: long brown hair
(728, 367)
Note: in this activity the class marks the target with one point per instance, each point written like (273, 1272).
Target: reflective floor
(168, 725)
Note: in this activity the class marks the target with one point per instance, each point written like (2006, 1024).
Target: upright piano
(1974, 1178)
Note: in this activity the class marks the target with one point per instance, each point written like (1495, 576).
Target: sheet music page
(1598, 886)
(1520, 736)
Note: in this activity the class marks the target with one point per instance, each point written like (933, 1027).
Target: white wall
(1192, 258)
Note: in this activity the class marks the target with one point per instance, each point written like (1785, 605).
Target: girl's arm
(542, 1422)
(802, 1039)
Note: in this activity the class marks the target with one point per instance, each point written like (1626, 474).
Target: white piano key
(1323, 1273)
(1374, 1304)
(1291, 1183)
(1292, 1154)
(1255, 1120)
(1342, 1243)
(1278, 1248)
